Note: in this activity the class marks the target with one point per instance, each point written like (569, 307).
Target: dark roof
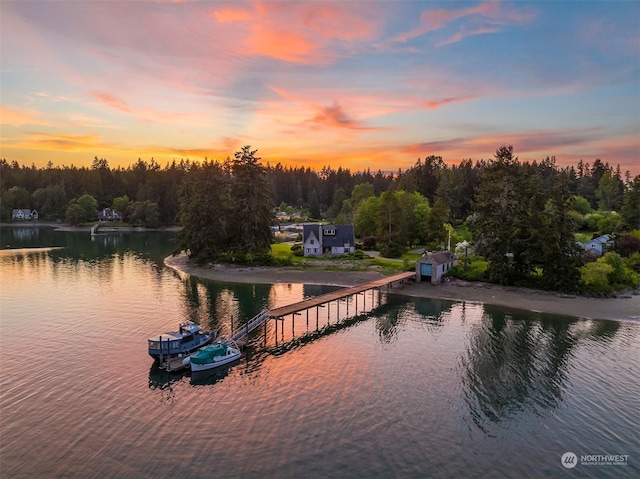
(344, 234)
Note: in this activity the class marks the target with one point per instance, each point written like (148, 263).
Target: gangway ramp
(252, 324)
(339, 294)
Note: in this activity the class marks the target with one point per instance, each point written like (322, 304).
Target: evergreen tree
(561, 256)
(251, 209)
(498, 203)
(314, 206)
(390, 226)
(631, 205)
(204, 212)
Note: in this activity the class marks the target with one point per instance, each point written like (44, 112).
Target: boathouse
(433, 265)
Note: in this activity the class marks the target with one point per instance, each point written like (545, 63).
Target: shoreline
(624, 308)
(60, 226)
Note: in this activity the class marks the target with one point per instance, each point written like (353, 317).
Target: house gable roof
(343, 234)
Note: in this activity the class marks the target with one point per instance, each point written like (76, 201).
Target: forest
(521, 218)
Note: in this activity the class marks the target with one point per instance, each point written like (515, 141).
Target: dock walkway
(339, 294)
(175, 364)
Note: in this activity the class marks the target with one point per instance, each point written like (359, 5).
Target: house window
(312, 241)
(329, 232)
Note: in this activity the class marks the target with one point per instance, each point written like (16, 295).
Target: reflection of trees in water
(515, 364)
(223, 306)
(432, 313)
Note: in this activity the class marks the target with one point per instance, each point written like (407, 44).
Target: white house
(332, 240)
(433, 265)
(24, 214)
(107, 214)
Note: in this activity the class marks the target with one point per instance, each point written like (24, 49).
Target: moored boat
(187, 339)
(213, 356)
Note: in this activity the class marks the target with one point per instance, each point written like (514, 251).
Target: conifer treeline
(51, 189)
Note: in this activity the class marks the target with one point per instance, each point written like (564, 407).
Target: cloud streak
(483, 18)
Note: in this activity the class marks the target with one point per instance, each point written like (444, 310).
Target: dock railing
(252, 324)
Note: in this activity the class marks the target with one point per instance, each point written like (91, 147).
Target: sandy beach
(626, 307)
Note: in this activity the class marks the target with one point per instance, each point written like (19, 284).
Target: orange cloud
(286, 46)
(65, 142)
(298, 32)
(17, 118)
(231, 15)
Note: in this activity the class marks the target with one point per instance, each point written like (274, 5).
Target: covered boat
(213, 356)
(187, 339)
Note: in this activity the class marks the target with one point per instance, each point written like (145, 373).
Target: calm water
(414, 388)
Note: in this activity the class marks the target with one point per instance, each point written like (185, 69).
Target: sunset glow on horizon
(362, 85)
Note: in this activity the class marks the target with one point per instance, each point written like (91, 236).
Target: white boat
(212, 356)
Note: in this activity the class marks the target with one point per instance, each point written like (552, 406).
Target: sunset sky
(354, 84)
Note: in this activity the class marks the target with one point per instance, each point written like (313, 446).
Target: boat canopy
(208, 353)
(189, 328)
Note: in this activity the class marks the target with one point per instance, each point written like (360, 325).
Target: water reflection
(164, 381)
(514, 364)
(81, 246)
(209, 378)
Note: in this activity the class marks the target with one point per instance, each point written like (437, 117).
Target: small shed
(433, 265)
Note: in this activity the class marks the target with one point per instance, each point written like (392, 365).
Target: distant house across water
(107, 214)
(331, 240)
(597, 246)
(24, 214)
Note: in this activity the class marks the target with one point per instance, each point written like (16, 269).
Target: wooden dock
(175, 364)
(339, 294)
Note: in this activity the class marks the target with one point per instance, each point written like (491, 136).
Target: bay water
(407, 388)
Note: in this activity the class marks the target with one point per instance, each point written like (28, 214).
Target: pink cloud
(467, 33)
(484, 18)
(433, 104)
(111, 101)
